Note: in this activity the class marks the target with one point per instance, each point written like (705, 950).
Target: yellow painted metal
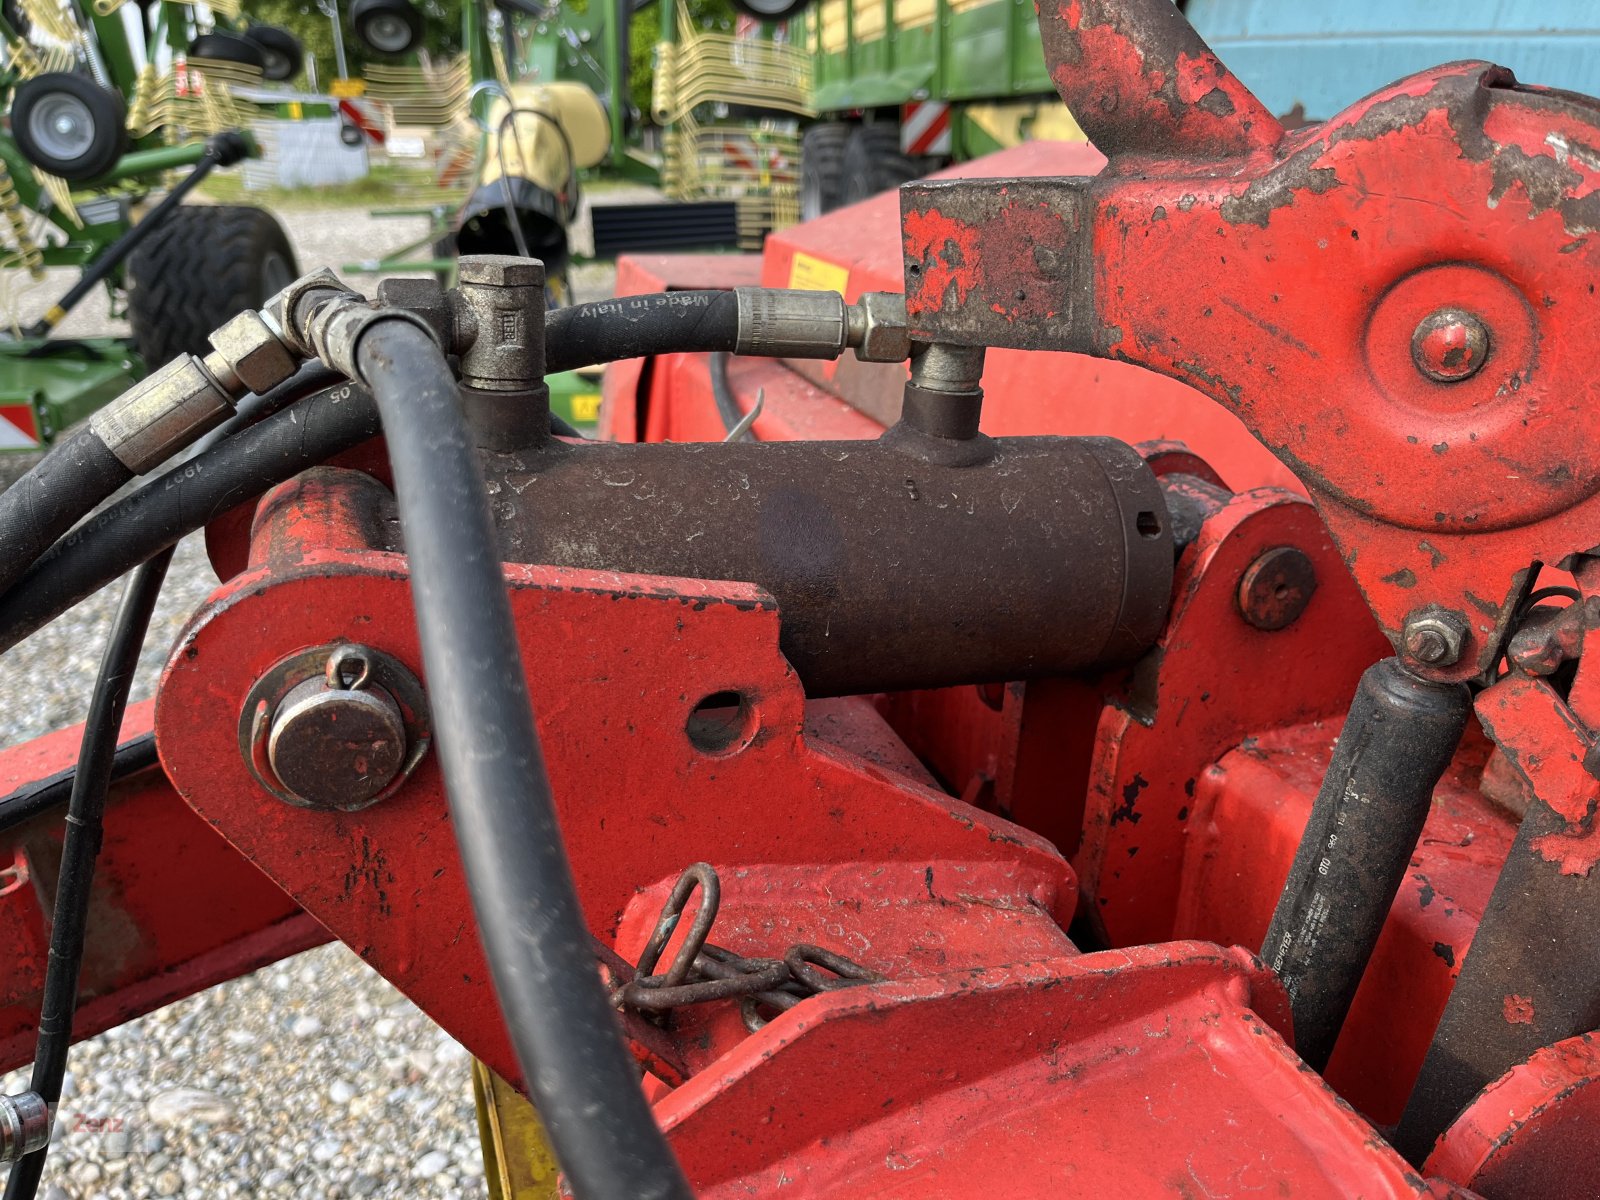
(1035, 121)
(833, 16)
(518, 1163)
(910, 14)
(525, 134)
(705, 67)
(26, 251)
(869, 20)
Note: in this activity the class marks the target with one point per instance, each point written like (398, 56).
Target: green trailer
(902, 87)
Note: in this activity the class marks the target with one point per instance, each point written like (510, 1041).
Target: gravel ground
(310, 1077)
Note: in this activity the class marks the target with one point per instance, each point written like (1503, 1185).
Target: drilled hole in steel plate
(1148, 525)
(722, 723)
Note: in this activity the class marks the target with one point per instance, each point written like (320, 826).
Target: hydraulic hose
(540, 955)
(78, 474)
(41, 795)
(602, 331)
(183, 499)
(54, 496)
(80, 848)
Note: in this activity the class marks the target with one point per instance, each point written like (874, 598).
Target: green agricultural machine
(105, 111)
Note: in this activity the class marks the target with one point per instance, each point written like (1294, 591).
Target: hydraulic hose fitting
(24, 1125)
(500, 322)
(879, 331)
(162, 413)
(289, 313)
(790, 323)
(942, 405)
(167, 410)
(499, 307)
(249, 356)
(336, 322)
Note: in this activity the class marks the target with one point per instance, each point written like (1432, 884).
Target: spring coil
(27, 247)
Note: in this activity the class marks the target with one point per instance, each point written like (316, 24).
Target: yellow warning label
(815, 275)
(346, 89)
(586, 407)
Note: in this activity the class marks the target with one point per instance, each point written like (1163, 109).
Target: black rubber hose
(78, 474)
(182, 500)
(41, 795)
(311, 378)
(1398, 738)
(603, 331)
(81, 847)
(65, 484)
(565, 1033)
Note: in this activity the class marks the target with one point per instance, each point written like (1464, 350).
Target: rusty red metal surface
(1527, 1135)
(1397, 305)
(823, 830)
(145, 948)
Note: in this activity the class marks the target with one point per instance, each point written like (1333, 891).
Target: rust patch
(1279, 187)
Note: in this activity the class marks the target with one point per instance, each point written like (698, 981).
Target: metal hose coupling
(24, 1125)
(170, 408)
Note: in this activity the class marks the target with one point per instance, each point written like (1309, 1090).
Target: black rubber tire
(205, 265)
(282, 52)
(873, 162)
(107, 117)
(228, 47)
(822, 168)
(772, 10)
(16, 16)
(364, 13)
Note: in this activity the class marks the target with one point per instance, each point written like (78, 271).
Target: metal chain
(701, 972)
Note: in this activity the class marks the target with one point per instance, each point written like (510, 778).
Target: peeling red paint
(944, 252)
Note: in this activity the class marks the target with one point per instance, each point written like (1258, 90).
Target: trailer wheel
(220, 46)
(822, 168)
(390, 27)
(205, 265)
(873, 162)
(68, 125)
(280, 50)
(772, 10)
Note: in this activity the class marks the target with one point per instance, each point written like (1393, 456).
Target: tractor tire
(281, 50)
(822, 168)
(387, 27)
(230, 48)
(873, 162)
(68, 125)
(204, 266)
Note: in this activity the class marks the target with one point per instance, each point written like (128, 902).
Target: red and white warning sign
(363, 115)
(18, 428)
(925, 127)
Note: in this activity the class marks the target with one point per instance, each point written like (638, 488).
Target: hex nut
(1434, 639)
(500, 270)
(257, 357)
(879, 329)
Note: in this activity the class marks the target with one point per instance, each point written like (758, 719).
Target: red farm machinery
(1142, 747)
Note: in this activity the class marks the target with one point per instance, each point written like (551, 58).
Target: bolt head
(1275, 589)
(1450, 345)
(500, 270)
(1434, 639)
